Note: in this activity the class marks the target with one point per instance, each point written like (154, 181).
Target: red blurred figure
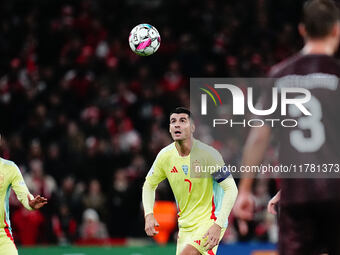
(27, 225)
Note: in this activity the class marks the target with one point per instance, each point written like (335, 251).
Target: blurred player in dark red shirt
(309, 207)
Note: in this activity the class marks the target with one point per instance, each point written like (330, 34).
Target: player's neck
(184, 147)
(318, 47)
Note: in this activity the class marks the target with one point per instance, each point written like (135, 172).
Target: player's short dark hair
(319, 17)
(182, 110)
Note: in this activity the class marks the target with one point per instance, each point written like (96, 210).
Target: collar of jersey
(192, 147)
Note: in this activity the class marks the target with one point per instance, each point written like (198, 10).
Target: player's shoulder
(167, 150)
(206, 149)
(281, 67)
(305, 64)
(8, 165)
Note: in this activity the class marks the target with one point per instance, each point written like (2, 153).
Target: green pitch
(152, 250)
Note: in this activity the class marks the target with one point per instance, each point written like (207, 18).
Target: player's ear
(192, 126)
(336, 30)
(302, 30)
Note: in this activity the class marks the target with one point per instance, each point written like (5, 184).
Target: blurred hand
(244, 206)
(213, 235)
(242, 227)
(37, 202)
(273, 203)
(150, 224)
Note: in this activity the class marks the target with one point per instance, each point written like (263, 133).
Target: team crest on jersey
(195, 169)
(185, 169)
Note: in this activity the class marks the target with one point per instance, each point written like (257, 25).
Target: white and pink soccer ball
(144, 40)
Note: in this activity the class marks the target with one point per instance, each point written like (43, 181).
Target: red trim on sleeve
(213, 216)
(8, 233)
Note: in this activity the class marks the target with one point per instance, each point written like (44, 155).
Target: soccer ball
(144, 40)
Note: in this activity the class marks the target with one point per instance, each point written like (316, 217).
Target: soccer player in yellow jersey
(204, 203)
(10, 177)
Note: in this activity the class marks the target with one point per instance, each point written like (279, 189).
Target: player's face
(181, 127)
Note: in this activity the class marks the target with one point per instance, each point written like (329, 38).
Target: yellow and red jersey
(198, 198)
(10, 178)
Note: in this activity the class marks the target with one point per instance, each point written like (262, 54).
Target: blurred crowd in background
(84, 117)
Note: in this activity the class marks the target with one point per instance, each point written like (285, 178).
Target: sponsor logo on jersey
(174, 170)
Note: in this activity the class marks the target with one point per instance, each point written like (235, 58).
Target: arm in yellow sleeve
(229, 197)
(154, 177)
(148, 197)
(20, 189)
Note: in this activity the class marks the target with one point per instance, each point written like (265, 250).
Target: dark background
(84, 117)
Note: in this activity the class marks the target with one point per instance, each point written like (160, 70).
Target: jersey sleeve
(221, 170)
(20, 188)
(154, 177)
(228, 201)
(156, 174)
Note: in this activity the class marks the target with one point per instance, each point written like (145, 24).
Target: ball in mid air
(144, 40)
